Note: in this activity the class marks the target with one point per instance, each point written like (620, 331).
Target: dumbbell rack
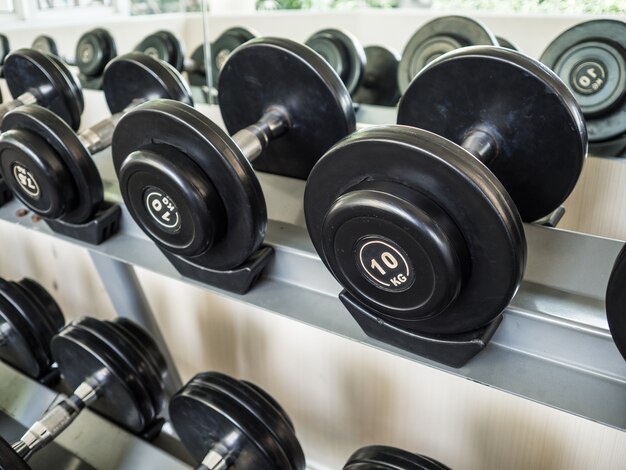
(23, 400)
(552, 347)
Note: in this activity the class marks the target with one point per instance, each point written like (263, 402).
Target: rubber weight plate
(591, 59)
(26, 328)
(83, 351)
(616, 302)
(267, 411)
(163, 45)
(33, 318)
(130, 354)
(198, 154)
(27, 70)
(9, 460)
(136, 75)
(274, 72)
(94, 50)
(45, 44)
(381, 214)
(437, 37)
(5, 48)
(213, 407)
(47, 167)
(390, 458)
(343, 52)
(541, 132)
(380, 78)
(226, 43)
(198, 77)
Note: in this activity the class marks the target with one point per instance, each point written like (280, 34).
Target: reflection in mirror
(59, 4)
(505, 6)
(154, 7)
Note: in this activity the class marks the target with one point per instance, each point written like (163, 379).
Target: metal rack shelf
(552, 347)
(86, 444)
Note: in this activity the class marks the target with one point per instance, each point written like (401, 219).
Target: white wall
(341, 394)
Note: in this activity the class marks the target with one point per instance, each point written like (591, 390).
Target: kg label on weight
(384, 264)
(162, 209)
(26, 180)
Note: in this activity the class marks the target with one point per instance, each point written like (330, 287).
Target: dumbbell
(33, 77)
(421, 223)
(36, 78)
(380, 78)
(164, 45)
(591, 59)
(168, 47)
(343, 52)
(49, 167)
(228, 423)
(221, 49)
(390, 458)
(94, 50)
(114, 367)
(192, 188)
(437, 37)
(616, 300)
(45, 44)
(29, 318)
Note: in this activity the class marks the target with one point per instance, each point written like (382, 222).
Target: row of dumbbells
(420, 222)
(116, 369)
(590, 58)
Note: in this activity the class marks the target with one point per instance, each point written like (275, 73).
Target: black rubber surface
(428, 165)
(46, 77)
(616, 302)
(9, 460)
(390, 458)
(134, 379)
(535, 120)
(213, 408)
(275, 72)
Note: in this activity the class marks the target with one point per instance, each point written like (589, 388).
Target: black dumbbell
(221, 49)
(437, 37)
(94, 50)
(36, 78)
(616, 302)
(168, 47)
(380, 78)
(33, 77)
(192, 188)
(343, 52)
(164, 45)
(230, 423)
(390, 458)
(49, 167)
(591, 59)
(45, 44)
(114, 368)
(29, 318)
(422, 225)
